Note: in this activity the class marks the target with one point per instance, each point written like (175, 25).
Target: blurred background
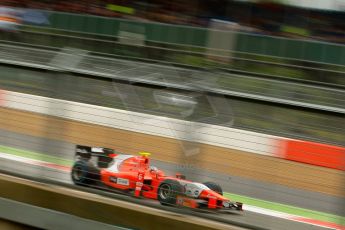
(249, 93)
(319, 20)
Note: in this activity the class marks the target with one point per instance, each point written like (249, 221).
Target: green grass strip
(35, 156)
(287, 209)
(246, 200)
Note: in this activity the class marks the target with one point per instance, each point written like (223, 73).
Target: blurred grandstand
(258, 17)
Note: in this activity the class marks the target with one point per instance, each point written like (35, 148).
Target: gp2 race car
(133, 174)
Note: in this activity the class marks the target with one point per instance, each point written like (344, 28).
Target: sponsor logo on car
(122, 181)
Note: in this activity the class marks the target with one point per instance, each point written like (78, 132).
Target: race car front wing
(210, 204)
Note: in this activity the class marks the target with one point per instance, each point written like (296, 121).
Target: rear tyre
(84, 173)
(214, 187)
(168, 191)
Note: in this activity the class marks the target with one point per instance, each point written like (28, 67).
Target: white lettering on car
(122, 181)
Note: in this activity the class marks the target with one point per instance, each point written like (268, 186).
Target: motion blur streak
(242, 97)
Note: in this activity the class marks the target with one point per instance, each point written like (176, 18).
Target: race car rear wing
(83, 150)
(86, 153)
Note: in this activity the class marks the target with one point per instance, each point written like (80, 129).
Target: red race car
(134, 174)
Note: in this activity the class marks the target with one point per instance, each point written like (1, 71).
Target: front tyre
(168, 191)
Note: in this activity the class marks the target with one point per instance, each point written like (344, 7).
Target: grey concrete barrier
(44, 218)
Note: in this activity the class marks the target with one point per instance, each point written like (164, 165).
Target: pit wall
(289, 149)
